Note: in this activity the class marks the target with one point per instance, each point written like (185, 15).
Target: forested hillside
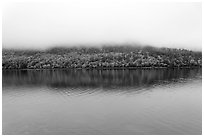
(101, 57)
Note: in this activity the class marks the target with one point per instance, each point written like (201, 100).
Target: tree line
(100, 57)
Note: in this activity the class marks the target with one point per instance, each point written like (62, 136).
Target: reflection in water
(96, 78)
(102, 101)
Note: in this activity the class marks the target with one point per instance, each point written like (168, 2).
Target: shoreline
(110, 68)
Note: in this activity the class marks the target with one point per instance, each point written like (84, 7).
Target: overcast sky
(40, 25)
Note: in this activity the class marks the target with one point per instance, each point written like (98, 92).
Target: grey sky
(40, 25)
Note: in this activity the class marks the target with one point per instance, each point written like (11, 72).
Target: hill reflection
(106, 79)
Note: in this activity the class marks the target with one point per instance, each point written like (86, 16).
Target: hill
(123, 56)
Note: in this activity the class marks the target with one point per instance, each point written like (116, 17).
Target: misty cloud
(41, 25)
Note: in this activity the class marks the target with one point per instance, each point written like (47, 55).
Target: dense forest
(100, 57)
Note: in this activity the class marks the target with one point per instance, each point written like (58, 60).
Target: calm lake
(157, 101)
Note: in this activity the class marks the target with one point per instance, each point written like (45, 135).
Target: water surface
(160, 101)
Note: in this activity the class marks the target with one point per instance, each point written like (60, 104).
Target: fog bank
(92, 22)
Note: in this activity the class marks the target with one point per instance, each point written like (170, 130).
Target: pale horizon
(45, 25)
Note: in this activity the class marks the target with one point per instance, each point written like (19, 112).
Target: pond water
(156, 101)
